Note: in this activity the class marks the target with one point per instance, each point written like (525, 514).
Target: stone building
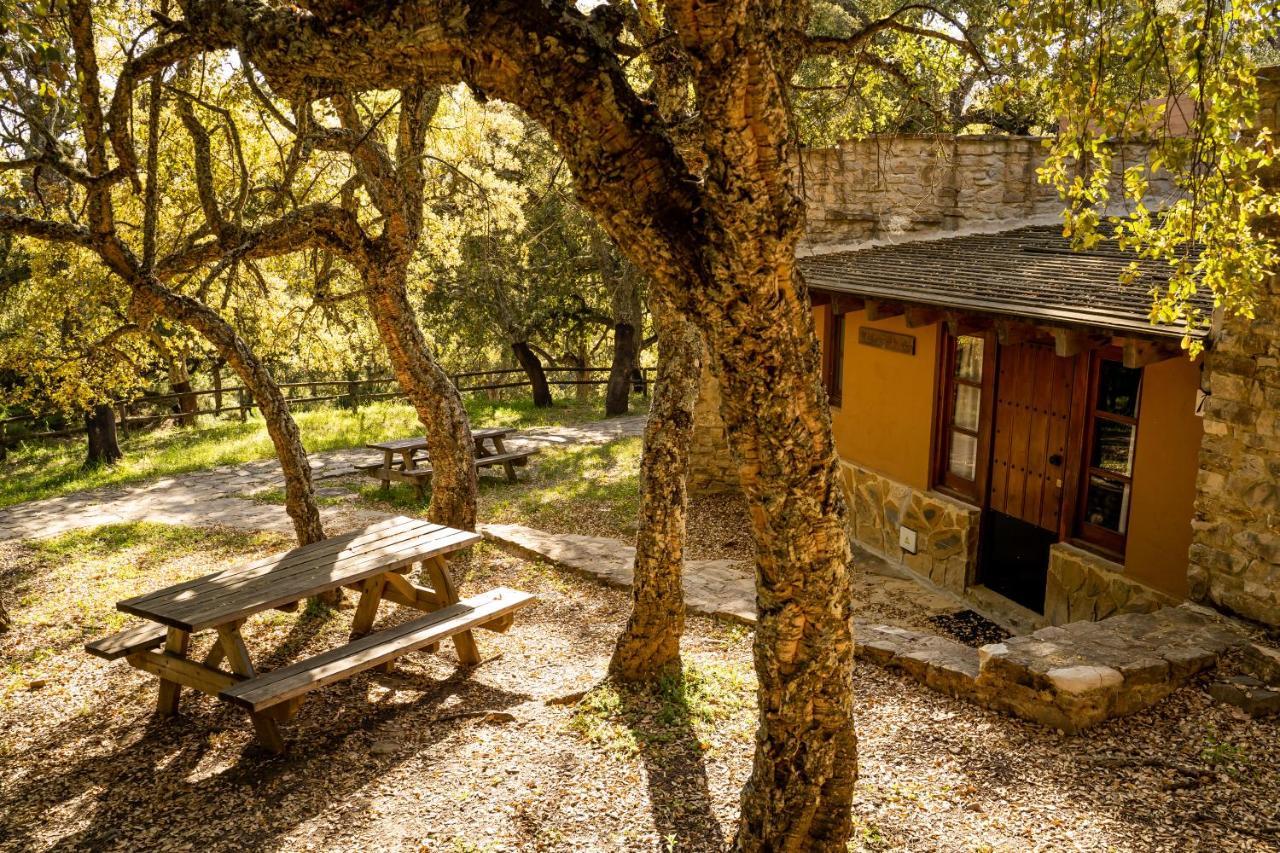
(1011, 425)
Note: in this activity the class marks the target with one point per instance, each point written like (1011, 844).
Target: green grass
(45, 469)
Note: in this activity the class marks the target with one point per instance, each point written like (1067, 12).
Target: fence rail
(357, 392)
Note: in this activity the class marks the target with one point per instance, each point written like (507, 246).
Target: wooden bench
(266, 691)
(371, 560)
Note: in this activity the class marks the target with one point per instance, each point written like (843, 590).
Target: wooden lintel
(880, 310)
(1140, 353)
(1010, 332)
(843, 303)
(918, 315)
(1072, 342)
(965, 324)
(819, 297)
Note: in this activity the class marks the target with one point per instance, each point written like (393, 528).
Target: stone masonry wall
(880, 186)
(1235, 551)
(1085, 587)
(946, 529)
(711, 468)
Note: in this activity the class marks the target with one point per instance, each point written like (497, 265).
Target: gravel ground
(518, 755)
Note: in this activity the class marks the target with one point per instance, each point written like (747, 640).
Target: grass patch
(67, 586)
(46, 469)
(704, 708)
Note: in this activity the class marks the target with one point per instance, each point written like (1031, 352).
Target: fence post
(124, 418)
(243, 401)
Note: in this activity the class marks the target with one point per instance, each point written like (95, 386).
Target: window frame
(1110, 542)
(833, 356)
(943, 479)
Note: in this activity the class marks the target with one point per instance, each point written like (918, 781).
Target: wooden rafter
(878, 309)
(1140, 353)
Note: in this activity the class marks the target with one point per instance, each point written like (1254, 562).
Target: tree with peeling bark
(91, 223)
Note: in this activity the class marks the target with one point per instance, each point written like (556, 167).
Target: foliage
(1179, 78)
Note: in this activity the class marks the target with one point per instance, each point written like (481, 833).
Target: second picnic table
(490, 451)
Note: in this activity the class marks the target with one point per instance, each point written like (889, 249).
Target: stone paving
(1067, 677)
(218, 496)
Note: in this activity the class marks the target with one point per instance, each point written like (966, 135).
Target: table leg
(238, 658)
(176, 643)
(388, 460)
(464, 642)
(367, 612)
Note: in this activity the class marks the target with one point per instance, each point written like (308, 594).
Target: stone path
(218, 496)
(1068, 677)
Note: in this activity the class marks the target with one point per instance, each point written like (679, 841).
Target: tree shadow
(204, 798)
(660, 719)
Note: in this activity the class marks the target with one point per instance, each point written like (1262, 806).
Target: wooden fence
(352, 393)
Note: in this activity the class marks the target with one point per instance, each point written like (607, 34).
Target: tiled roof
(1029, 272)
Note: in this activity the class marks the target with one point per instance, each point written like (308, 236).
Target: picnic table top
(420, 441)
(233, 594)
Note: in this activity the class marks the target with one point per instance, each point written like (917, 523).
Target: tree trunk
(537, 376)
(5, 623)
(300, 503)
(100, 426)
(216, 369)
(626, 354)
(650, 644)
(433, 396)
(180, 382)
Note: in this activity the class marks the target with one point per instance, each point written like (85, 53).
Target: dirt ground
(530, 751)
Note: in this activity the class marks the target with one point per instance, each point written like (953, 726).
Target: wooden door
(1032, 421)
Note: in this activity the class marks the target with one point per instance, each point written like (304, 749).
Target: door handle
(1056, 460)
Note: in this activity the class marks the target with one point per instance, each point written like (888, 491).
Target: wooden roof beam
(1011, 332)
(965, 324)
(918, 315)
(878, 309)
(843, 303)
(1140, 353)
(1072, 342)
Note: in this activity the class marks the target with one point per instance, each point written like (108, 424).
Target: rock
(1247, 694)
(1261, 661)
(384, 747)
(1084, 679)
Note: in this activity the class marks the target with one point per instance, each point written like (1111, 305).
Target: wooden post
(176, 644)
(238, 658)
(217, 387)
(124, 418)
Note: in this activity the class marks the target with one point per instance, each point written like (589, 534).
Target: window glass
(969, 358)
(1107, 503)
(964, 455)
(968, 405)
(1118, 388)
(1113, 446)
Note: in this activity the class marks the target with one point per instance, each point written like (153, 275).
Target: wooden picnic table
(371, 560)
(490, 451)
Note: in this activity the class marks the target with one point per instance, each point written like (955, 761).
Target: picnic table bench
(490, 451)
(372, 560)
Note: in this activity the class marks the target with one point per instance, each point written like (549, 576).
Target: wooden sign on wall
(892, 341)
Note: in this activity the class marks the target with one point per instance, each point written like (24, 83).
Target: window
(967, 373)
(833, 357)
(1111, 436)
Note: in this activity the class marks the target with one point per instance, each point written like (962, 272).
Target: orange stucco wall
(1164, 476)
(885, 418)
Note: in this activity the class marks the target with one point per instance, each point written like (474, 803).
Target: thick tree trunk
(537, 376)
(650, 644)
(626, 355)
(100, 427)
(300, 504)
(5, 623)
(433, 396)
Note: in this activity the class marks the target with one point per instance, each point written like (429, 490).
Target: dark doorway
(1015, 558)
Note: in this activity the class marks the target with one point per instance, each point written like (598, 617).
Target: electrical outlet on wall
(907, 539)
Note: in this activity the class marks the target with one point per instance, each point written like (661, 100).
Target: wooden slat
(185, 672)
(264, 592)
(128, 641)
(499, 458)
(1060, 414)
(263, 692)
(1038, 442)
(351, 542)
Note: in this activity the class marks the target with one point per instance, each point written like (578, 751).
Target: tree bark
(100, 427)
(626, 354)
(149, 295)
(5, 622)
(650, 644)
(537, 376)
(439, 406)
(180, 382)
